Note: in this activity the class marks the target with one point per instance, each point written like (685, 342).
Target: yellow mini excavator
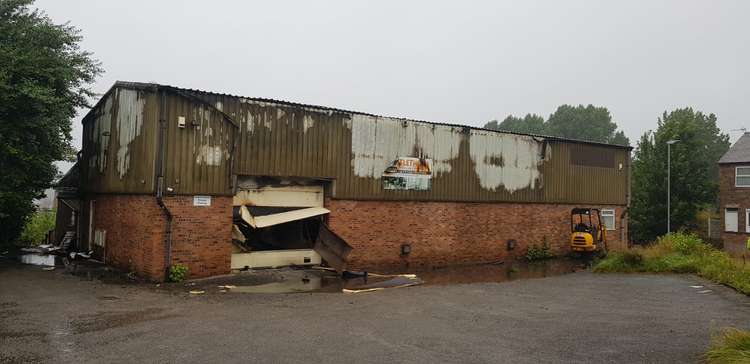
(587, 232)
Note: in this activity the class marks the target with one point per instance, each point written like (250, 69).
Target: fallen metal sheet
(280, 218)
(237, 234)
(247, 217)
(332, 248)
(397, 282)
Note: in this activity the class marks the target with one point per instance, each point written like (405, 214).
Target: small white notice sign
(201, 200)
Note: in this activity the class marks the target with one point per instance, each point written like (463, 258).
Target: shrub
(177, 272)
(539, 252)
(35, 230)
(730, 346)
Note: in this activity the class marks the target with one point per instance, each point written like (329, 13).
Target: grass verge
(680, 253)
(730, 346)
(687, 253)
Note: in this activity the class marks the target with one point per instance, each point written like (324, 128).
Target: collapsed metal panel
(258, 222)
(332, 248)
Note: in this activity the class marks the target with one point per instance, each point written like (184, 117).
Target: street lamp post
(669, 177)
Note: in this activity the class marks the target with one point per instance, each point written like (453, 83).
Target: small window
(730, 220)
(608, 218)
(742, 177)
(747, 220)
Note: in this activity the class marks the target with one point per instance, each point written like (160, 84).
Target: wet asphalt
(50, 316)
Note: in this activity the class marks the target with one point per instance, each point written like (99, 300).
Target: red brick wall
(135, 234)
(736, 197)
(444, 233)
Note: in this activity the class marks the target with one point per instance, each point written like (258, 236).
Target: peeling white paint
(102, 133)
(307, 122)
(209, 155)
(500, 160)
(507, 160)
(378, 141)
(250, 121)
(129, 123)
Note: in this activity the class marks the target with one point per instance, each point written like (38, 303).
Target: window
(608, 218)
(730, 220)
(742, 177)
(747, 220)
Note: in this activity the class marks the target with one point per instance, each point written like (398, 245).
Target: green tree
(694, 172)
(585, 123)
(529, 124)
(44, 77)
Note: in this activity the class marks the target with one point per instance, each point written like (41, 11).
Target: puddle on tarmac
(311, 280)
(40, 259)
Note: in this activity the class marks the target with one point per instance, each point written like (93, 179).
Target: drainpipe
(624, 214)
(160, 167)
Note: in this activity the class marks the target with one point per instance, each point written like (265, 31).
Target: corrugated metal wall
(119, 143)
(352, 150)
(198, 156)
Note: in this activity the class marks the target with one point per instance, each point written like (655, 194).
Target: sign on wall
(407, 173)
(201, 200)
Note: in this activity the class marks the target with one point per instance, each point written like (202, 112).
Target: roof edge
(149, 86)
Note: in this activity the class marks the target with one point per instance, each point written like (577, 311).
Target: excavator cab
(587, 232)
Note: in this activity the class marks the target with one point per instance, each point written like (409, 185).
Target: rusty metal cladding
(212, 137)
(118, 143)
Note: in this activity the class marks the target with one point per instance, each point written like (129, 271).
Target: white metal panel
(287, 196)
(275, 258)
(280, 218)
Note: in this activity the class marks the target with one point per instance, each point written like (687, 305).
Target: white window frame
(747, 220)
(736, 222)
(609, 212)
(736, 174)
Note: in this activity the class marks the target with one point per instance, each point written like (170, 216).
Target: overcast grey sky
(459, 62)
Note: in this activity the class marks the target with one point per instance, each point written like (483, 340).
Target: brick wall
(135, 234)
(735, 197)
(444, 233)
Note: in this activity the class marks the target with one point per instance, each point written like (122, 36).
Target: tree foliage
(694, 172)
(44, 77)
(585, 123)
(529, 124)
(574, 122)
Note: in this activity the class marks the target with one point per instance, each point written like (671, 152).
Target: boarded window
(591, 156)
(730, 220)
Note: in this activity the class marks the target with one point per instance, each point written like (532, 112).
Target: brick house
(734, 196)
(220, 182)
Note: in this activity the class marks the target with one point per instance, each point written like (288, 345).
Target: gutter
(160, 167)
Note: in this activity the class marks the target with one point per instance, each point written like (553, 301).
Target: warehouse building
(220, 182)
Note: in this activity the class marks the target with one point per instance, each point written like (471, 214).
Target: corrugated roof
(153, 86)
(739, 152)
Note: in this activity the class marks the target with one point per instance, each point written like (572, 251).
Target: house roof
(739, 152)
